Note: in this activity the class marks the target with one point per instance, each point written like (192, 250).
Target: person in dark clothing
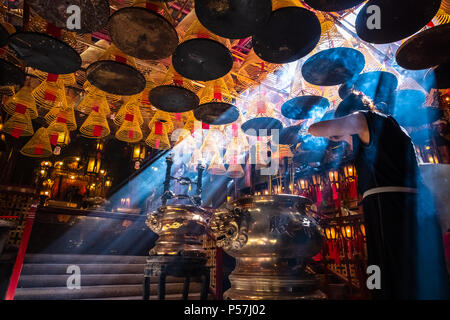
(403, 237)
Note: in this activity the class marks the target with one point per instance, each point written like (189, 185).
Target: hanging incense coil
(38, 146)
(92, 90)
(333, 5)
(176, 94)
(95, 126)
(116, 73)
(37, 24)
(130, 130)
(330, 37)
(62, 112)
(233, 19)
(216, 104)
(19, 125)
(395, 19)
(216, 167)
(49, 93)
(202, 55)
(66, 79)
(129, 109)
(235, 171)
(93, 13)
(290, 34)
(159, 136)
(22, 102)
(163, 117)
(158, 44)
(59, 133)
(94, 102)
(46, 53)
(209, 146)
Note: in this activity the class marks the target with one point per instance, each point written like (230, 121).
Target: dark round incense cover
(377, 85)
(300, 108)
(10, 75)
(332, 5)
(173, 99)
(426, 49)
(202, 59)
(233, 19)
(115, 78)
(45, 53)
(254, 126)
(381, 21)
(290, 34)
(216, 113)
(333, 66)
(439, 77)
(93, 14)
(142, 33)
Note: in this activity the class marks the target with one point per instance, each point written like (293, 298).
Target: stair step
(102, 292)
(33, 281)
(53, 268)
(192, 296)
(83, 259)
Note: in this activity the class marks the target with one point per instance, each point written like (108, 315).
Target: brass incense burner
(179, 228)
(271, 238)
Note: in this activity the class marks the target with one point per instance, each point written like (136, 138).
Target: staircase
(103, 277)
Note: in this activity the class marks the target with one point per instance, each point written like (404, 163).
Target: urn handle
(230, 228)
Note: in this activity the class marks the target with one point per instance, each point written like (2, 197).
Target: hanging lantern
(362, 228)
(347, 232)
(317, 180)
(38, 146)
(94, 163)
(333, 176)
(349, 172)
(139, 152)
(303, 185)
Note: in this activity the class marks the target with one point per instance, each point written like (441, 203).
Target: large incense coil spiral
(94, 102)
(128, 109)
(37, 24)
(159, 136)
(163, 117)
(330, 37)
(22, 100)
(38, 146)
(202, 55)
(235, 171)
(67, 79)
(95, 126)
(130, 130)
(216, 167)
(19, 125)
(254, 69)
(209, 146)
(49, 93)
(63, 112)
(59, 133)
(89, 88)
